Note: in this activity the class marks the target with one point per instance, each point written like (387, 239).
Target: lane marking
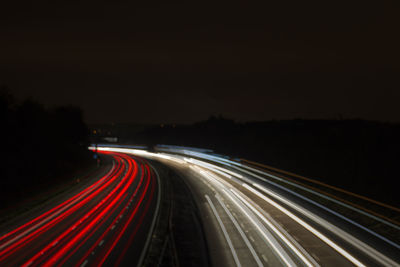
(378, 256)
(315, 256)
(84, 263)
(307, 226)
(244, 237)
(264, 258)
(228, 239)
(268, 237)
(251, 238)
(319, 205)
(298, 250)
(153, 222)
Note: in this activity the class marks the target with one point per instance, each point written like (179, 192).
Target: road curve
(107, 223)
(250, 220)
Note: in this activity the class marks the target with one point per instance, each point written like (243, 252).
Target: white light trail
(234, 176)
(275, 230)
(221, 224)
(308, 227)
(349, 238)
(235, 165)
(322, 206)
(268, 237)
(244, 237)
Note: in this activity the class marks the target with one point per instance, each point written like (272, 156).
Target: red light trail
(95, 218)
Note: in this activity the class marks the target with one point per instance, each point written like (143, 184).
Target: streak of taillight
(82, 242)
(77, 237)
(5, 253)
(57, 240)
(137, 226)
(113, 223)
(37, 219)
(126, 224)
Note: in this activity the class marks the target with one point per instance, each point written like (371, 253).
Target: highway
(108, 222)
(250, 219)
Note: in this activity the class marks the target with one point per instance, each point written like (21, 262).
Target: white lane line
(288, 236)
(264, 258)
(84, 263)
(361, 245)
(315, 256)
(242, 167)
(268, 237)
(313, 202)
(251, 238)
(101, 243)
(153, 222)
(228, 239)
(306, 261)
(367, 249)
(253, 252)
(318, 194)
(307, 226)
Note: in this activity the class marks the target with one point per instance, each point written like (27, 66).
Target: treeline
(39, 146)
(361, 156)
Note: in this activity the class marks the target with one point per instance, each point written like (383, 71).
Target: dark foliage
(39, 146)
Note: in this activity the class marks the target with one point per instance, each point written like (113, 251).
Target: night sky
(180, 62)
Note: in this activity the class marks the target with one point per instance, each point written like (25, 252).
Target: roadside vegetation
(40, 148)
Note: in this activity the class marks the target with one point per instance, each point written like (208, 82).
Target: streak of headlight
(307, 226)
(244, 237)
(228, 239)
(235, 165)
(143, 153)
(361, 245)
(217, 169)
(319, 235)
(378, 256)
(273, 228)
(170, 157)
(317, 204)
(270, 240)
(264, 232)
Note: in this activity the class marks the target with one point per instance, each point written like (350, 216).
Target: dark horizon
(333, 117)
